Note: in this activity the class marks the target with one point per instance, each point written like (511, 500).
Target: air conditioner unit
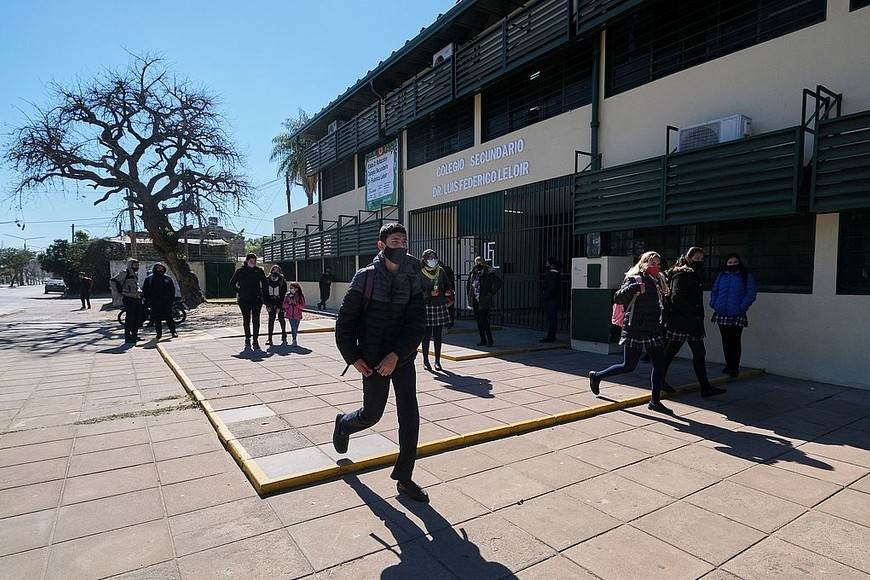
(442, 55)
(714, 132)
(333, 127)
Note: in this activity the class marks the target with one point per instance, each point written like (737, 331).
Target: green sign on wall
(382, 176)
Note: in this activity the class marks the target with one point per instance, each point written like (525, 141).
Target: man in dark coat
(551, 296)
(159, 291)
(85, 283)
(380, 324)
(482, 285)
(325, 283)
(251, 287)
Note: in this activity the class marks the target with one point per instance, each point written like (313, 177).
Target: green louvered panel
(746, 178)
(481, 214)
(841, 164)
(618, 198)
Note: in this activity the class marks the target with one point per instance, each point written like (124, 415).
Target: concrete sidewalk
(107, 469)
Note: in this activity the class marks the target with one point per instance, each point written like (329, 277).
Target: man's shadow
(253, 355)
(477, 386)
(454, 555)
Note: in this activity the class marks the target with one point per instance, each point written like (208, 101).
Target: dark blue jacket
(730, 297)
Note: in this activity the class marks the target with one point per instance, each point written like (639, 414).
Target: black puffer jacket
(250, 284)
(686, 313)
(394, 320)
(646, 315)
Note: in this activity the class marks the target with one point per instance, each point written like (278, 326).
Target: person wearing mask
(643, 293)
(159, 291)
(127, 284)
(250, 284)
(686, 317)
(733, 293)
(276, 289)
(380, 325)
(435, 286)
(482, 285)
(551, 296)
(294, 303)
(85, 284)
(325, 283)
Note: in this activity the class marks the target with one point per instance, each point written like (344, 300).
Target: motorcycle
(179, 313)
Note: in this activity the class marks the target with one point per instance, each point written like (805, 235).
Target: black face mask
(395, 255)
(696, 265)
(733, 268)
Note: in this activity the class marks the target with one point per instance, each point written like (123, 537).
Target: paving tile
(30, 473)
(801, 489)
(207, 491)
(23, 565)
(821, 467)
(313, 502)
(667, 477)
(647, 441)
(105, 441)
(849, 505)
(222, 524)
(294, 462)
(748, 506)
(556, 469)
(617, 496)
(560, 437)
(512, 449)
(345, 536)
(185, 446)
(274, 442)
(29, 498)
(101, 515)
(630, 553)
(486, 548)
(131, 548)
(500, 487)
(457, 463)
(775, 559)
(37, 436)
(245, 413)
(836, 538)
(708, 460)
(470, 424)
(26, 531)
(169, 431)
(163, 571)
(195, 466)
(35, 452)
(410, 560)
(862, 484)
(260, 426)
(606, 454)
(558, 567)
(110, 459)
(559, 520)
(109, 483)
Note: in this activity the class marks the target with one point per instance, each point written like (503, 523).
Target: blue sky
(265, 59)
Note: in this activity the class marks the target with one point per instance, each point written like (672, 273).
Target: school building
(594, 130)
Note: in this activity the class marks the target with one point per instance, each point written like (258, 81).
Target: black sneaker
(712, 391)
(412, 490)
(339, 441)
(594, 381)
(659, 408)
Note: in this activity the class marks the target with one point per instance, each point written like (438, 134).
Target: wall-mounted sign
(382, 176)
(501, 168)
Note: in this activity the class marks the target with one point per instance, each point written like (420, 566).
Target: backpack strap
(369, 286)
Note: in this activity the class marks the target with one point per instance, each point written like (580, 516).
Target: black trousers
(481, 316)
(133, 306)
(277, 311)
(731, 347)
(158, 315)
(376, 390)
(551, 309)
(699, 359)
(324, 295)
(251, 316)
(85, 298)
(432, 332)
(630, 358)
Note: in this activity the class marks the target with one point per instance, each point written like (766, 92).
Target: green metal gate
(217, 280)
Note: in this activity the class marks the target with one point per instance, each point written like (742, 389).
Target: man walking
(127, 284)
(551, 296)
(380, 324)
(325, 284)
(85, 284)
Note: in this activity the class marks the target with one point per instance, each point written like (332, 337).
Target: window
(551, 87)
(853, 261)
(667, 36)
(338, 178)
(446, 131)
(856, 4)
(779, 251)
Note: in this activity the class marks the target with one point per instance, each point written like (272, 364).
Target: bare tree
(141, 133)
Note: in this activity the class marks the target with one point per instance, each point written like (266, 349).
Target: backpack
(617, 317)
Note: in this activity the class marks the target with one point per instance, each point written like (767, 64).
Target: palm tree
(289, 151)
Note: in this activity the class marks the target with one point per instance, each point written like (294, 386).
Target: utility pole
(132, 225)
(72, 233)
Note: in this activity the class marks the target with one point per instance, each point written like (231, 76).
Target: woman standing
(643, 293)
(733, 293)
(435, 284)
(276, 289)
(250, 284)
(294, 302)
(481, 287)
(686, 317)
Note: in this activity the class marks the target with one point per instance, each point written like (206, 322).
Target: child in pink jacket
(294, 302)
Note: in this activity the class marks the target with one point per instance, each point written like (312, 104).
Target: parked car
(55, 286)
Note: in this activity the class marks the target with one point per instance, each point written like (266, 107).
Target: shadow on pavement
(477, 386)
(439, 541)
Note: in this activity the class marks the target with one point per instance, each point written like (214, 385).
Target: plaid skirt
(437, 315)
(641, 342)
(723, 320)
(682, 336)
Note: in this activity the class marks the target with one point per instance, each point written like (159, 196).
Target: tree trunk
(168, 247)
